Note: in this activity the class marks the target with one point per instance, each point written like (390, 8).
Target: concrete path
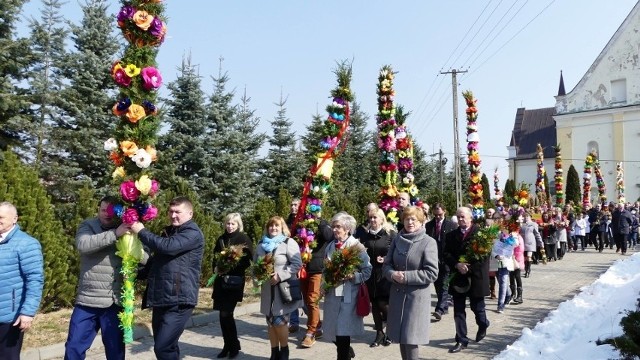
(548, 286)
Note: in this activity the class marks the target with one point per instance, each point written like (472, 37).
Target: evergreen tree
(312, 138)
(15, 58)
(256, 219)
(283, 202)
(79, 136)
(234, 161)
(183, 149)
(88, 99)
(284, 166)
(21, 186)
(509, 191)
(46, 81)
(84, 207)
(486, 189)
(547, 194)
(573, 193)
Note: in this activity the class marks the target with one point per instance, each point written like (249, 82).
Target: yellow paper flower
(135, 113)
(132, 70)
(143, 185)
(128, 147)
(142, 19)
(118, 173)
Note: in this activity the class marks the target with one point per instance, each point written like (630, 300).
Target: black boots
(275, 353)
(518, 299)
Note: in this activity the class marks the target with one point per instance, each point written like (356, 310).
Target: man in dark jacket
(174, 277)
(470, 280)
(438, 228)
(621, 221)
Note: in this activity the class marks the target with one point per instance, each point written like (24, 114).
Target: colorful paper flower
(130, 216)
(142, 19)
(135, 113)
(142, 158)
(110, 144)
(151, 78)
(118, 173)
(143, 184)
(128, 191)
(150, 214)
(128, 148)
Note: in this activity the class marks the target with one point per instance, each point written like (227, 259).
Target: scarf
(268, 243)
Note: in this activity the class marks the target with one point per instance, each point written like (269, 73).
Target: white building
(602, 112)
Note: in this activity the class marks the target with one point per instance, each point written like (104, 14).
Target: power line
(508, 41)
(491, 31)
(478, 32)
(496, 35)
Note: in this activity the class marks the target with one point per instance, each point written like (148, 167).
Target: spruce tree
(88, 99)
(46, 81)
(15, 58)
(183, 149)
(233, 147)
(20, 185)
(284, 166)
(256, 219)
(573, 193)
(312, 138)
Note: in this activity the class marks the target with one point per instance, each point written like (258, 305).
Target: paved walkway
(548, 286)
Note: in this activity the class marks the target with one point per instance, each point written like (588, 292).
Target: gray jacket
(99, 282)
(409, 304)
(286, 263)
(531, 236)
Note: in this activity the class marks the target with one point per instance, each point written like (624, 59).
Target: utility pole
(456, 162)
(442, 162)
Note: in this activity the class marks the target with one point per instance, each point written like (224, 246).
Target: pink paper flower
(130, 216)
(128, 191)
(155, 186)
(150, 214)
(151, 78)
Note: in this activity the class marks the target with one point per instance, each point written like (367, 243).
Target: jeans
(503, 287)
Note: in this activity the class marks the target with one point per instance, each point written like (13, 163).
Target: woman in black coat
(227, 292)
(377, 239)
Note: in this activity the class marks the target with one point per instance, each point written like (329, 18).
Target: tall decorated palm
(386, 121)
(132, 149)
(473, 157)
(620, 183)
(558, 176)
(404, 152)
(318, 180)
(541, 193)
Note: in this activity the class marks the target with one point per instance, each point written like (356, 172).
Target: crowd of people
(401, 265)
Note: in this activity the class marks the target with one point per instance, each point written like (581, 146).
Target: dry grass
(51, 328)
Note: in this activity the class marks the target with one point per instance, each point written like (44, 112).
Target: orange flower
(116, 158)
(135, 113)
(152, 151)
(128, 147)
(142, 19)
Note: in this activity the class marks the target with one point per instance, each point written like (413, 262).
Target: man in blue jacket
(174, 276)
(21, 281)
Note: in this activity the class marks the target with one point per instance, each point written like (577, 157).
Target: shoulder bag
(363, 304)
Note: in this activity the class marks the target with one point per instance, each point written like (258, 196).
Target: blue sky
(513, 51)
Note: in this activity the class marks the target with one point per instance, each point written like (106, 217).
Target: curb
(140, 331)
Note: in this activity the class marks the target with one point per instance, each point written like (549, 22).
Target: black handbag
(290, 290)
(232, 282)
